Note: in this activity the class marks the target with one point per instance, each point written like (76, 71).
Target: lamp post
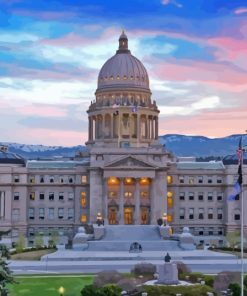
(61, 291)
(99, 219)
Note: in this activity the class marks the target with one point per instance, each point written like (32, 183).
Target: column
(153, 219)
(112, 126)
(138, 128)
(103, 126)
(105, 194)
(137, 203)
(89, 128)
(121, 203)
(156, 128)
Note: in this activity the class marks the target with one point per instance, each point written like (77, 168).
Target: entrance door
(112, 216)
(145, 216)
(128, 216)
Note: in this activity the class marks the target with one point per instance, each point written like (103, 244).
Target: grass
(32, 255)
(49, 285)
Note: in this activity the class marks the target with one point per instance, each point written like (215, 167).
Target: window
(83, 199)
(71, 196)
(210, 196)
(200, 196)
(71, 180)
(51, 196)
(30, 231)
(84, 179)
(41, 213)
(61, 196)
(201, 232)
(15, 233)
(236, 214)
(16, 195)
(128, 194)
(191, 180)
(201, 214)
(219, 213)
(210, 213)
(31, 213)
(61, 180)
(41, 179)
(191, 196)
(181, 213)
(70, 213)
(169, 218)
(200, 179)
(182, 196)
(41, 196)
(51, 179)
(181, 179)
(219, 180)
(32, 196)
(83, 218)
(191, 213)
(144, 194)
(219, 196)
(169, 180)
(210, 180)
(32, 179)
(220, 231)
(16, 215)
(211, 231)
(60, 213)
(16, 178)
(50, 213)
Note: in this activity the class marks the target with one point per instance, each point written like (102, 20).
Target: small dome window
(118, 77)
(125, 77)
(131, 77)
(111, 78)
(137, 77)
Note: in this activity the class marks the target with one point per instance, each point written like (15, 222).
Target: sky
(51, 52)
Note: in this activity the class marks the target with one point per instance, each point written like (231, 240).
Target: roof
(215, 165)
(41, 164)
(10, 158)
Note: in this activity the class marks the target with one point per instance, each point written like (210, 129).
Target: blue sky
(51, 52)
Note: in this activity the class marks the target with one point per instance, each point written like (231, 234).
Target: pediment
(129, 162)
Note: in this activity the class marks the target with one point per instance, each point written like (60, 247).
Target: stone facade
(126, 176)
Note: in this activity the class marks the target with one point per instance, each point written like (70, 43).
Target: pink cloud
(42, 110)
(45, 15)
(240, 10)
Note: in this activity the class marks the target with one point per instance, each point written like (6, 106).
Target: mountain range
(180, 145)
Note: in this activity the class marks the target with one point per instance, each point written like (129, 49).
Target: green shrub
(107, 290)
(235, 288)
(20, 244)
(209, 280)
(194, 276)
(144, 269)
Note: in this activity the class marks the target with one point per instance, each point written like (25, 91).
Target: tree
(233, 238)
(235, 288)
(53, 239)
(5, 277)
(38, 241)
(21, 243)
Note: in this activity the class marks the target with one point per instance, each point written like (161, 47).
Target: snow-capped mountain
(180, 145)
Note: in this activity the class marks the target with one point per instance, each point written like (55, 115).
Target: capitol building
(125, 176)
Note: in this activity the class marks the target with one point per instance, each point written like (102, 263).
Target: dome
(123, 70)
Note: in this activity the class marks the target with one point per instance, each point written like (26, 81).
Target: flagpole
(242, 221)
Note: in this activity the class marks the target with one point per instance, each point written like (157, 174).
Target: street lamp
(164, 218)
(99, 219)
(61, 291)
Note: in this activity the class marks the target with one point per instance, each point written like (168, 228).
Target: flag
(237, 187)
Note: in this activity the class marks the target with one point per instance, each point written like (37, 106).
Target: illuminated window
(144, 194)
(144, 181)
(169, 218)
(32, 179)
(169, 202)
(125, 77)
(83, 218)
(118, 77)
(169, 194)
(83, 199)
(32, 196)
(112, 194)
(128, 194)
(128, 181)
(84, 179)
(169, 180)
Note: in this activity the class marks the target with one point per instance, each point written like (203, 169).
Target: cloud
(173, 2)
(240, 10)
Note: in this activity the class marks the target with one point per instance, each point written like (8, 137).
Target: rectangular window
(16, 215)
(32, 179)
(71, 180)
(51, 196)
(219, 196)
(16, 195)
(128, 194)
(219, 180)
(112, 194)
(201, 231)
(201, 214)
(210, 180)
(16, 178)
(181, 179)
(30, 231)
(220, 231)
(50, 213)
(181, 213)
(210, 196)
(41, 213)
(219, 213)
(191, 180)
(61, 196)
(41, 179)
(70, 213)
(200, 196)
(200, 179)
(211, 231)
(191, 213)
(181, 196)
(191, 196)
(210, 213)
(84, 179)
(41, 196)
(144, 194)
(60, 213)
(32, 196)
(51, 179)
(2, 204)
(237, 216)
(71, 196)
(83, 199)
(61, 179)
(31, 213)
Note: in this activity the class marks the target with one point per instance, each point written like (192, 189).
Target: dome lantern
(123, 43)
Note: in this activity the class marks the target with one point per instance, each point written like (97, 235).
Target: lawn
(32, 255)
(49, 285)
